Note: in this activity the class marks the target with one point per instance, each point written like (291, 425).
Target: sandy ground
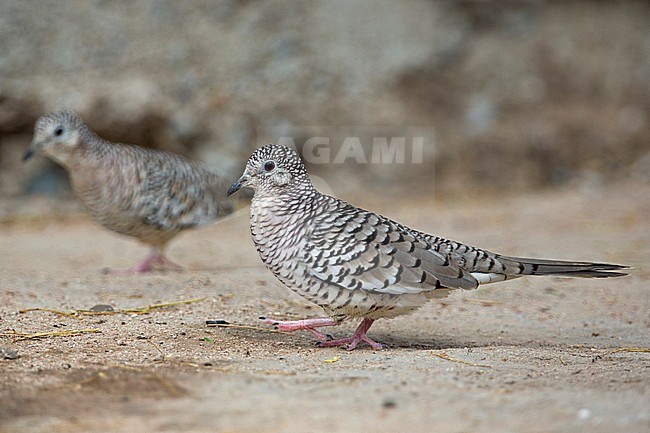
(529, 355)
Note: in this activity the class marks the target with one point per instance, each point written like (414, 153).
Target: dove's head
(273, 169)
(56, 136)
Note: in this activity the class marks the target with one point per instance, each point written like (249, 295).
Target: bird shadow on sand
(392, 341)
(388, 341)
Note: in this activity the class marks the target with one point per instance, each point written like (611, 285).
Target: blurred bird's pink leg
(155, 261)
(162, 263)
(358, 336)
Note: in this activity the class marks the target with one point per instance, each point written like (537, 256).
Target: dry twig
(141, 310)
(483, 302)
(19, 336)
(460, 361)
(630, 349)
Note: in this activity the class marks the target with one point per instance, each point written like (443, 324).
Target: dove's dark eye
(58, 131)
(269, 166)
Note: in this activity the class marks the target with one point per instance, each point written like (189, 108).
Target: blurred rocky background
(516, 95)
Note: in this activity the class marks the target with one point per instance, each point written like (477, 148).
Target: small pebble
(101, 308)
(8, 353)
(584, 414)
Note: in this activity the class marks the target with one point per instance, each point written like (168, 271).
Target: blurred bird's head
(56, 136)
(273, 169)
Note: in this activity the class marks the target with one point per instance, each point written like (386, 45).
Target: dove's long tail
(518, 266)
(527, 266)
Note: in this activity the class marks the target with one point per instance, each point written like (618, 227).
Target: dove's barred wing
(356, 249)
(174, 193)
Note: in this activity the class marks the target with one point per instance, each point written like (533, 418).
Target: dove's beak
(241, 182)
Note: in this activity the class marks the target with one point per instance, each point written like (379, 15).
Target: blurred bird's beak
(33, 149)
(29, 152)
(241, 182)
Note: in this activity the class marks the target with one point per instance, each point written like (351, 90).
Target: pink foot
(153, 262)
(358, 336)
(325, 340)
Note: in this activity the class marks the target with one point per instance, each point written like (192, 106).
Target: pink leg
(309, 325)
(306, 324)
(154, 261)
